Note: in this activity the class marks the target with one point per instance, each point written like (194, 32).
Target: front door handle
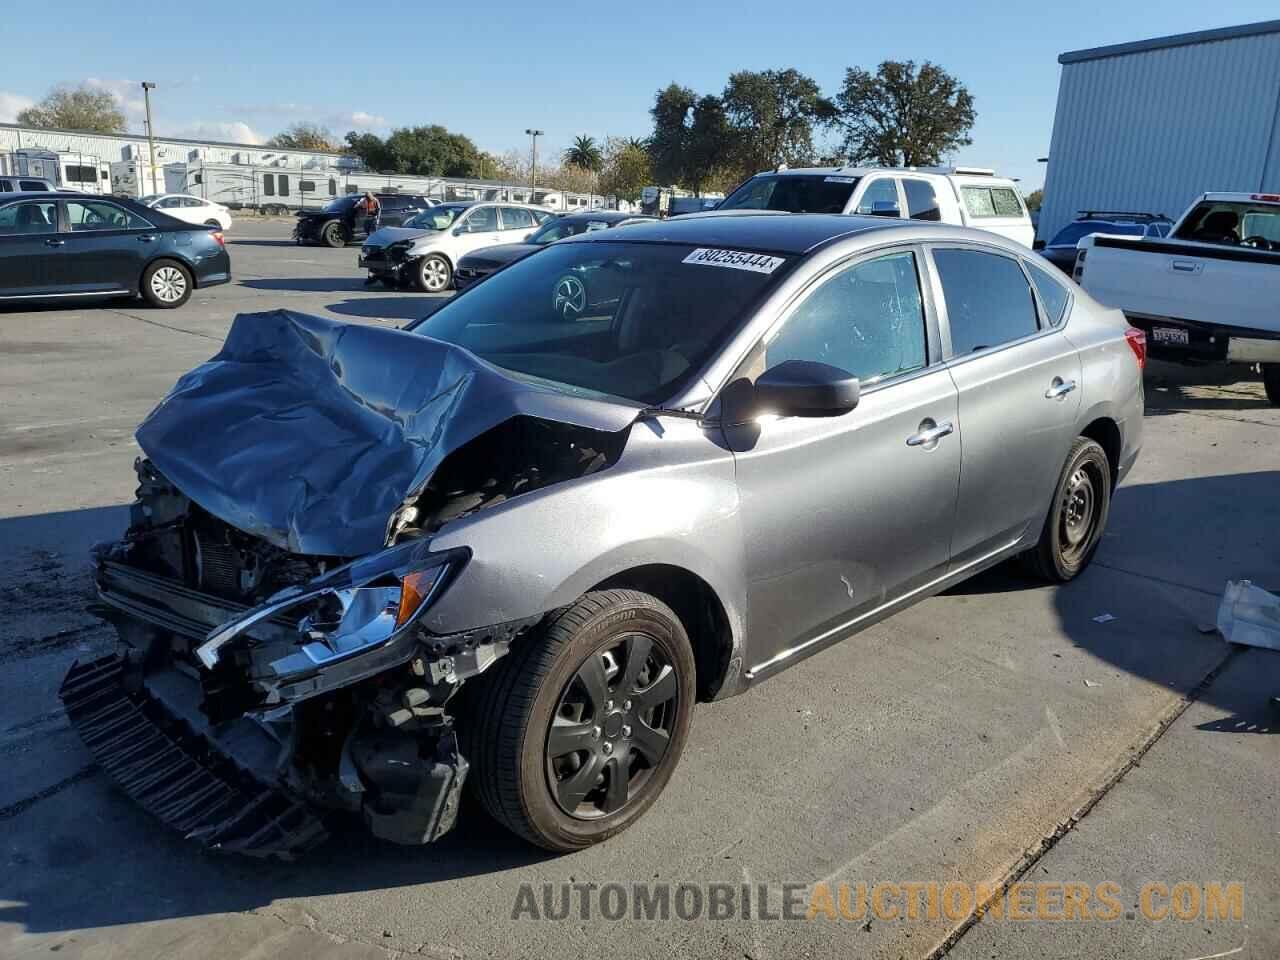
(930, 433)
(148, 237)
(1059, 388)
(54, 243)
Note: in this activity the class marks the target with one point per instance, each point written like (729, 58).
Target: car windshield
(828, 193)
(629, 320)
(1073, 233)
(1231, 222)
(340, 203)
(437, 218)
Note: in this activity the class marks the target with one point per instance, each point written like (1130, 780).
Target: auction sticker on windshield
(735, 260)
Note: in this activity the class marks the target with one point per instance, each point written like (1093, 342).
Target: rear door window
(86, 215)
(922, 202)
(981, 201)
(989, 302)
(515, 218)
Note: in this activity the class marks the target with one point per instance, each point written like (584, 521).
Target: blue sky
(234, 69)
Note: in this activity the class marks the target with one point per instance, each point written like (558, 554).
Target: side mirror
(1037, 244)
(457, 231)
(885, 208)
(806, 388)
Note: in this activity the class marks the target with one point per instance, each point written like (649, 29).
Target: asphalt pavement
(997, 733)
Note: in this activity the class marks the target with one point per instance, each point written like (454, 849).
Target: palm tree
(584, 153)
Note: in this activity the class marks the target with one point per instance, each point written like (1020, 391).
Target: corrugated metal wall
(1149, 131)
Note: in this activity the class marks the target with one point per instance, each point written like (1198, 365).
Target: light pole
(147, 87)
(533, 169)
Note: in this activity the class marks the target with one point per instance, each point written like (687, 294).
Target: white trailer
(65, 170)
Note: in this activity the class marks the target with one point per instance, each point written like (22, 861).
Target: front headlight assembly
(348, 611)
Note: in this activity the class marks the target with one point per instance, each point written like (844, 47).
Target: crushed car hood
(311, 433)
(385, 236)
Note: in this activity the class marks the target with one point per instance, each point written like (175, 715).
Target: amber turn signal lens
(414, 590)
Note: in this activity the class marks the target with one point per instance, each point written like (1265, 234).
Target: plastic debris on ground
(1249, 615)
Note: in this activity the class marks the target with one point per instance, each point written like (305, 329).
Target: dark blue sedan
(66, 244)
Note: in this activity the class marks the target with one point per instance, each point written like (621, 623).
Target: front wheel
(167, 284)
(333, 235)
(1077, 516)
(1271, 381)
(577, 731)
(434, 274)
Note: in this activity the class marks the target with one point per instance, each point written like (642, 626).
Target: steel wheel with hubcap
(1078, 515)
(434, 274)
(576, 732)
(166, 284)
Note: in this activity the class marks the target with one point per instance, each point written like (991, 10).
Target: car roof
(968, 174)
(777, 232)
(53, 194)
(605, 216)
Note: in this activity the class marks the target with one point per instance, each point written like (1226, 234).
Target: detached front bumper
(180, 773)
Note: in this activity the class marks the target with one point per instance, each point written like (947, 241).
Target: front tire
(433, 275)
(1077, 515)
(577, 731)
(167, 284)
(1271, 382)
(213, 223)
(333, 235)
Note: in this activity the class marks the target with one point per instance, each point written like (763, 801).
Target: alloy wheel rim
(1079, 514)
(612, 727)
(168, 284)
(571, 297)
(434, 275)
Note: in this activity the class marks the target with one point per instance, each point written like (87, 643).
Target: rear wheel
(333, 235)
(577, 731)
(434, 274)
(1077, 516)
(1271, 381)
(213, 223)
(167, 284)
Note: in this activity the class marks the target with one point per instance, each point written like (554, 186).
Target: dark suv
(1061, 250)
(338, 222)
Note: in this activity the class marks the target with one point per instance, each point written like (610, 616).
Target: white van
(967, 196)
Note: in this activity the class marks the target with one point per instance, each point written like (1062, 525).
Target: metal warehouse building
(1148, 126)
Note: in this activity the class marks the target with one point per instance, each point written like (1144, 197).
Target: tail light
(1137, 341)
(217, 235)
(1078, 271)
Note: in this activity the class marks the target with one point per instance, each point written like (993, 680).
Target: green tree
(902, 116)
(627, 168)
(1035, 200)
(430, 151)
(305, 136)
(669, 144)
(78, 108)
(773, 115)
(711, 151)
(584, 153)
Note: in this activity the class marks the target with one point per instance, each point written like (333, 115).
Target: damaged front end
(275, 667)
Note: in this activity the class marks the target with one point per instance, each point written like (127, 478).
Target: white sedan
(191, 209)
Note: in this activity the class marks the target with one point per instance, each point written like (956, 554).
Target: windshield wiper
(668, 412)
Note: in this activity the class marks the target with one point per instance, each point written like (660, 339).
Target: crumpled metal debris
(1249, 615)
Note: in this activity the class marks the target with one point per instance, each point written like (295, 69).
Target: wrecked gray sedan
(510, 547)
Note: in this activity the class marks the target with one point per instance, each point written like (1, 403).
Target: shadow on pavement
(87, 857)
(407, 306)
(307, 284)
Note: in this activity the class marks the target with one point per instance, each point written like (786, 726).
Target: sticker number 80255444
(735, 260)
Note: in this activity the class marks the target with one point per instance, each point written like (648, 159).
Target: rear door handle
(148, 237)
(1059, 388)
(930, 435)
(54, 243)
(1186, 266)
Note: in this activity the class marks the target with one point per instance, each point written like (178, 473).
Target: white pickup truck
(1207, 293)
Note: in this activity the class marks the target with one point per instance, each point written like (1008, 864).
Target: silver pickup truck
(1207, 293)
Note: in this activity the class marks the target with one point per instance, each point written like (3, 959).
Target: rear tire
(167, 284)
(213, 223)
(1077, 515)
(333, 235)
(575, 733)
(1271, 382)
